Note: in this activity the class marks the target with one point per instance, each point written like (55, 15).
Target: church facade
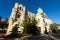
(18, 16)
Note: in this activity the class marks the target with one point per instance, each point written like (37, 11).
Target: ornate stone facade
(43, 22)
(18, 16)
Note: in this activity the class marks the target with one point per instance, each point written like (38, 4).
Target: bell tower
(16, 18)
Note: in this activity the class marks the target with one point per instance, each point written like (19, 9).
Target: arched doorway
(46, 31)
(39, 30)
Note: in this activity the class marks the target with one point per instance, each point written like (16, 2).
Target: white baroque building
(18, 16)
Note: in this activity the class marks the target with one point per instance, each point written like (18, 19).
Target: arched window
(18, 16)
(20, 8)
(43, 20)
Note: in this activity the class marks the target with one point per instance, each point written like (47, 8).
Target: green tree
(54, 28)
(25, 25)
(30, 26)
(14, 31)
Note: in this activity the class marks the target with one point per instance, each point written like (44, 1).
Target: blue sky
(50, 7)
